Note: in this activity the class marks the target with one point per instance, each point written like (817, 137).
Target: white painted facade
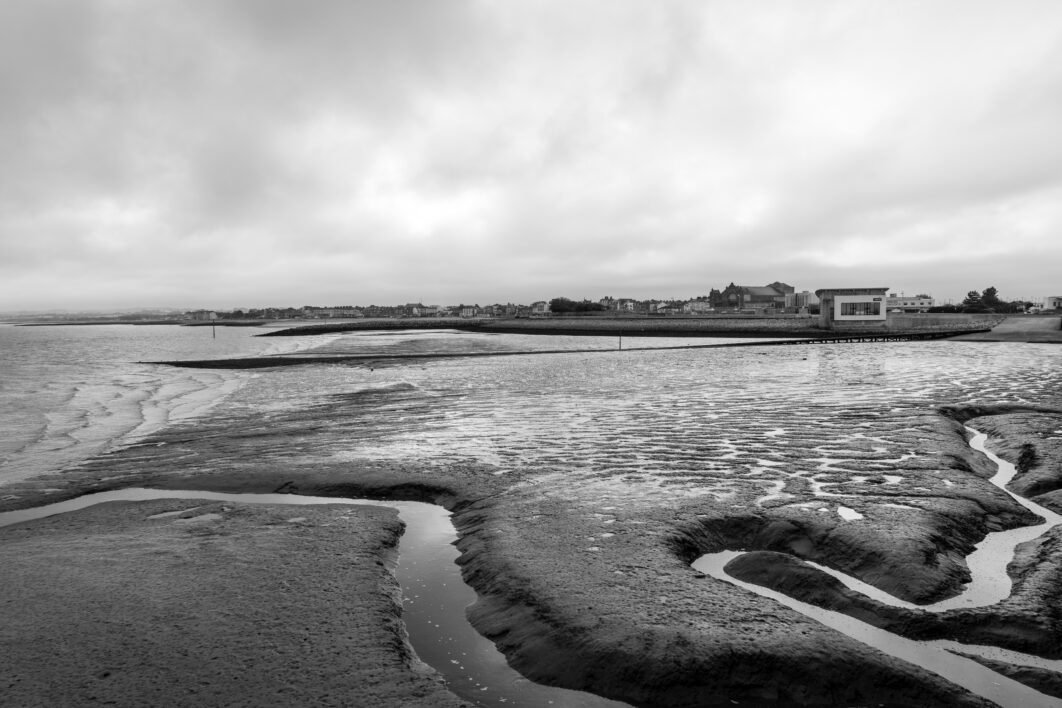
(853, 308)
(909, 304)
(859, 308)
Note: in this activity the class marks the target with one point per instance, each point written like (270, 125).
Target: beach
(583, 487)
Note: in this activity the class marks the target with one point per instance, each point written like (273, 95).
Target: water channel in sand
(989, 584)
(434, 597)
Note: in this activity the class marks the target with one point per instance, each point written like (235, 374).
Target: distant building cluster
(775, 298)
(902, 303)
(354, 312)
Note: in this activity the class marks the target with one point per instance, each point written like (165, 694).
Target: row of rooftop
(776, 297)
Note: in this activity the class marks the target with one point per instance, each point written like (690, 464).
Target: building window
(860, 309)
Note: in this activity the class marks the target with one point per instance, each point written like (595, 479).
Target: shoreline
(385, 359)
(970, 327)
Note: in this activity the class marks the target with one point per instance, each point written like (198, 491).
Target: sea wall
(942, 321)
(660, 326)
(710, 326)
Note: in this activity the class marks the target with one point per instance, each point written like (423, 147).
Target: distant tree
(987, 301)
(973, 302)
(990, 298)
(562, 305)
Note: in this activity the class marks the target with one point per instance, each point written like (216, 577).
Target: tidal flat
(583, 487)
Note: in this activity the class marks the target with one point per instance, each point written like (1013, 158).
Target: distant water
(68, 392)
(639, 426)
(627, 423)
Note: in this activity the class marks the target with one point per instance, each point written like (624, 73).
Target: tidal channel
(989, 584)
(434, 597)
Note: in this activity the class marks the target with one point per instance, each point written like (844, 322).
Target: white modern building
(852, 308)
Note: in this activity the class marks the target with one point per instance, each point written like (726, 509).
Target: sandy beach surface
(578, 549)
(192, 603)
(599, 597)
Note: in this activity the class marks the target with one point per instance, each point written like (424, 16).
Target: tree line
(987, 300)
(563, 304)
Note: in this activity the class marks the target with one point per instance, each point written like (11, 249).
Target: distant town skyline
(365, 307)
(254, 154)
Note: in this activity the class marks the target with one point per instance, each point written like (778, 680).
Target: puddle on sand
(434, 596)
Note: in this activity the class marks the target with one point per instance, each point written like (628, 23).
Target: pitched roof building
(741, 297)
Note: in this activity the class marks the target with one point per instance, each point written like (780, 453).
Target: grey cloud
(464, 148)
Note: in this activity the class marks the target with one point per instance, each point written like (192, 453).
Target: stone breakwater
(716, 326)
(602, 326)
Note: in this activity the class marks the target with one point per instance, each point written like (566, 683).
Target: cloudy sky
(221, 153)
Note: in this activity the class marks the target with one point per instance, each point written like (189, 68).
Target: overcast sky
(217, 153)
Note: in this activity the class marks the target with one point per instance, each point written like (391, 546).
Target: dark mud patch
(181, 602)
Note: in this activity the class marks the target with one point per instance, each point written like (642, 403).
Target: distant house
(540, 308)
(623, 304)
(742, 297)
(419, 310)
(202, 315)
(337, 312)
(324, 312)
(697, 307)
(917, 303)
(1053, 302)
(801, 300)
(852, 308)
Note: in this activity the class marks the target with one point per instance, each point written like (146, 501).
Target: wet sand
(580, 587)
(193, 603)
